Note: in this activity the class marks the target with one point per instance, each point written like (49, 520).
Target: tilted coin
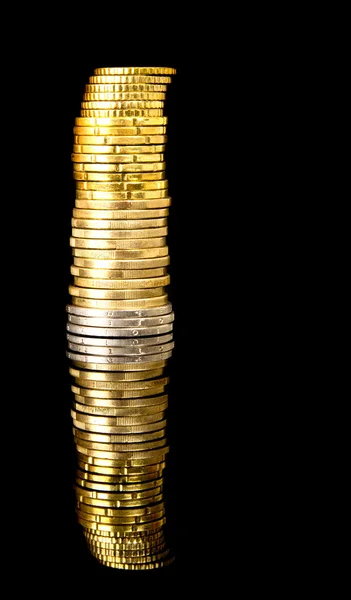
(83, 393)
(101, 176)
(150, 149)
(120, 254)
(117, 439)
(118, 159)
(105, 378)
(119, 284)
(127, 342)
(120, 168)
(82, 292)
(118, 384)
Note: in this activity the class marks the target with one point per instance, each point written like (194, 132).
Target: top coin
(128, 79)
(135, 71)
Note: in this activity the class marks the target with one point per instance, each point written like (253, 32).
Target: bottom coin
(136, 567)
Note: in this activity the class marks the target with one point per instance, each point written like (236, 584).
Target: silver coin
(137, 322)
(121, 350)
(89, 358)
(108, 342)
(119, 314)
(131, 332)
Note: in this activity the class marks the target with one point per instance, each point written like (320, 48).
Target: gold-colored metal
(151, 213)
(123, 204)
(103, 234)
(121, 284)
(112, 97)
(114, 244)
(121, 254)
(120, 429)
(82, 292)
(135, 71)
(122, 104)
(115, 186)
(120, 304)
(154, 176)
(136, 78)
(112, 114)
(121, 472)
(141, 159)
(125, 87)
(145, 367)
(132, 121)
(136, 167)
(126, 195)
(118, 378)
(119, 275)
(118, 224)
(118, 439)
(144, 130)
(145, 148)
(111, 140)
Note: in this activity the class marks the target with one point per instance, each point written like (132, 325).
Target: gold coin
(112, 140)
(116, 377)
(124, 87)
(134, 542)
(135, 71)
(120, 429)
(121, 304)
(106, 186)
(129, 78)
(82, 292)
(82, 176)
(129, 195)
(142, 399)
(121, 529)
(123, 265)
(116, 421)
(113, 114)
(146, 130)
(123, 204)
(118, 560)
(116, 471)
(121, 284)
(118, 275)
(98, 510)
(145, 148)
(120, 159)
(121, 254)
(123, 520)
(137, 168)
(119, 121)
(120, 97)
(95, 367)
(132, 447)
(120, 480)
(119, 487)
(120, 214)
(117, 244)
(121, 104)
(118, 224)
(120, 234)
(122, 392)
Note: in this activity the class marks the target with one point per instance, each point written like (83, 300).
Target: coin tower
(119, 318)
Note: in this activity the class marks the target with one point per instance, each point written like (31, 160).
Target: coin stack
(120, 322)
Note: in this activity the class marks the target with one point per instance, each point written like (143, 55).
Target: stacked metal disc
(120, 322)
